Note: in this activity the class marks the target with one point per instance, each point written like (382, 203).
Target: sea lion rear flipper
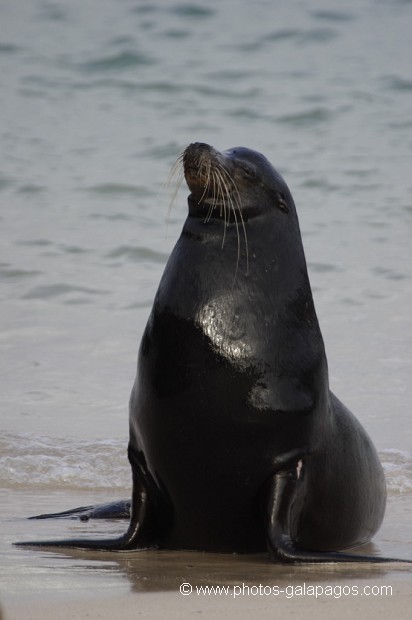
(112, 510)
(279, 497)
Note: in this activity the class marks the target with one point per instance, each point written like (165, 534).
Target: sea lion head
(233, 185)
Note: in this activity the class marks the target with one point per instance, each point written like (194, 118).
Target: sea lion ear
(281, 202)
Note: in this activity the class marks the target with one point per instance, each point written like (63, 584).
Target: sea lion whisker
(237, 202)
(226, 194)
(205, 192)
(221, 198)
(226, 212)
(216, 191)
(204, 171)
(176, 168)
(232, 207)
(177, 180)
(212, 187)
(175, 176)
(204, 165)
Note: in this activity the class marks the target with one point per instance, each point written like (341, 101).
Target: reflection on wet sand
(165, 571)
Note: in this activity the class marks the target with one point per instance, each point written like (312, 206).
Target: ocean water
(97, 100)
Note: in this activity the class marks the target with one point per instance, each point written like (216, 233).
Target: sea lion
(236, 442)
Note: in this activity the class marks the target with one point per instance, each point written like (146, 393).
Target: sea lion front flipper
(280, 493)
(142, 530)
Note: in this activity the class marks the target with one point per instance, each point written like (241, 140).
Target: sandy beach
(191, 584)
(68, 583)
(154, 606)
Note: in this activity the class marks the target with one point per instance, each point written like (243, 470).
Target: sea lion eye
(281, 202)
(249, 170)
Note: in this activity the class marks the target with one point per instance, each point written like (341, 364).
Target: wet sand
(155, 606)
(219, 586)
(68, 583)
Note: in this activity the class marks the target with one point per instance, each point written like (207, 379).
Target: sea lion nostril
(201, 145)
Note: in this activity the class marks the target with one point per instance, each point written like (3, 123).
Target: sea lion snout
(199, 161)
